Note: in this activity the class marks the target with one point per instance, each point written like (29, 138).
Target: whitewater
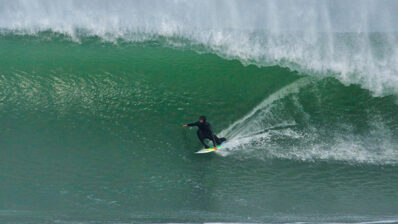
(93, 95)
(355, 42)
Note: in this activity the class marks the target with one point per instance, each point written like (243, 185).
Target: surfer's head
(202, 119)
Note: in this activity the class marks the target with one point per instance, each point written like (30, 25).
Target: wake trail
(248, 128)
(287, 125)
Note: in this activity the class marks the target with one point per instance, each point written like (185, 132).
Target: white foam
(269, 131)
(308, 35)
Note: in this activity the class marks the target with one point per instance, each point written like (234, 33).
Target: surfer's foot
(222, 140)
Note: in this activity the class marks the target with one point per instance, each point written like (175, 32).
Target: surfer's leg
(219, 140)
(202, 138)
(211, 138)
(214, 140)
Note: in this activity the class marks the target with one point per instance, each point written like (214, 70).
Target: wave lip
(314, 37)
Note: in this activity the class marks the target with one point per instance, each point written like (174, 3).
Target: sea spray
(355, 41)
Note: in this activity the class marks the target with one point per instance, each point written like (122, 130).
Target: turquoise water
(91, 123)
(92, 132)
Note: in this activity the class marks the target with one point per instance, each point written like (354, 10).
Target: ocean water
(93, 95)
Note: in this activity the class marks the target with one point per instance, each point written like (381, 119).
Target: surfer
(205, 131)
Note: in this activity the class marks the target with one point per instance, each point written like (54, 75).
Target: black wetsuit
(206, 132)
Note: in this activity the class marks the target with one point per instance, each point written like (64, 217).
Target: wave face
(355, 42)
(91, 131)
(93, 95)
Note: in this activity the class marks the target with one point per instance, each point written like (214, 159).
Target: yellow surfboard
(210, 149)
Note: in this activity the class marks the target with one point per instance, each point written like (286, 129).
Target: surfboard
(210, 149)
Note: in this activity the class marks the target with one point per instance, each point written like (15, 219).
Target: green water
(91, 133)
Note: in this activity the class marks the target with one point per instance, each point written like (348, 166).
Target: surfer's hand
(185, 125)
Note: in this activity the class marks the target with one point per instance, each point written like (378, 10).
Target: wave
(321, 38)
(285, 126)
(318, 38)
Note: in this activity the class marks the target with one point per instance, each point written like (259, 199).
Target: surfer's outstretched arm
(190, 125)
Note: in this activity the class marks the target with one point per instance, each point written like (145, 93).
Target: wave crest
(314, 37)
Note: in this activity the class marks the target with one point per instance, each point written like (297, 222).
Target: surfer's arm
(191, 124)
